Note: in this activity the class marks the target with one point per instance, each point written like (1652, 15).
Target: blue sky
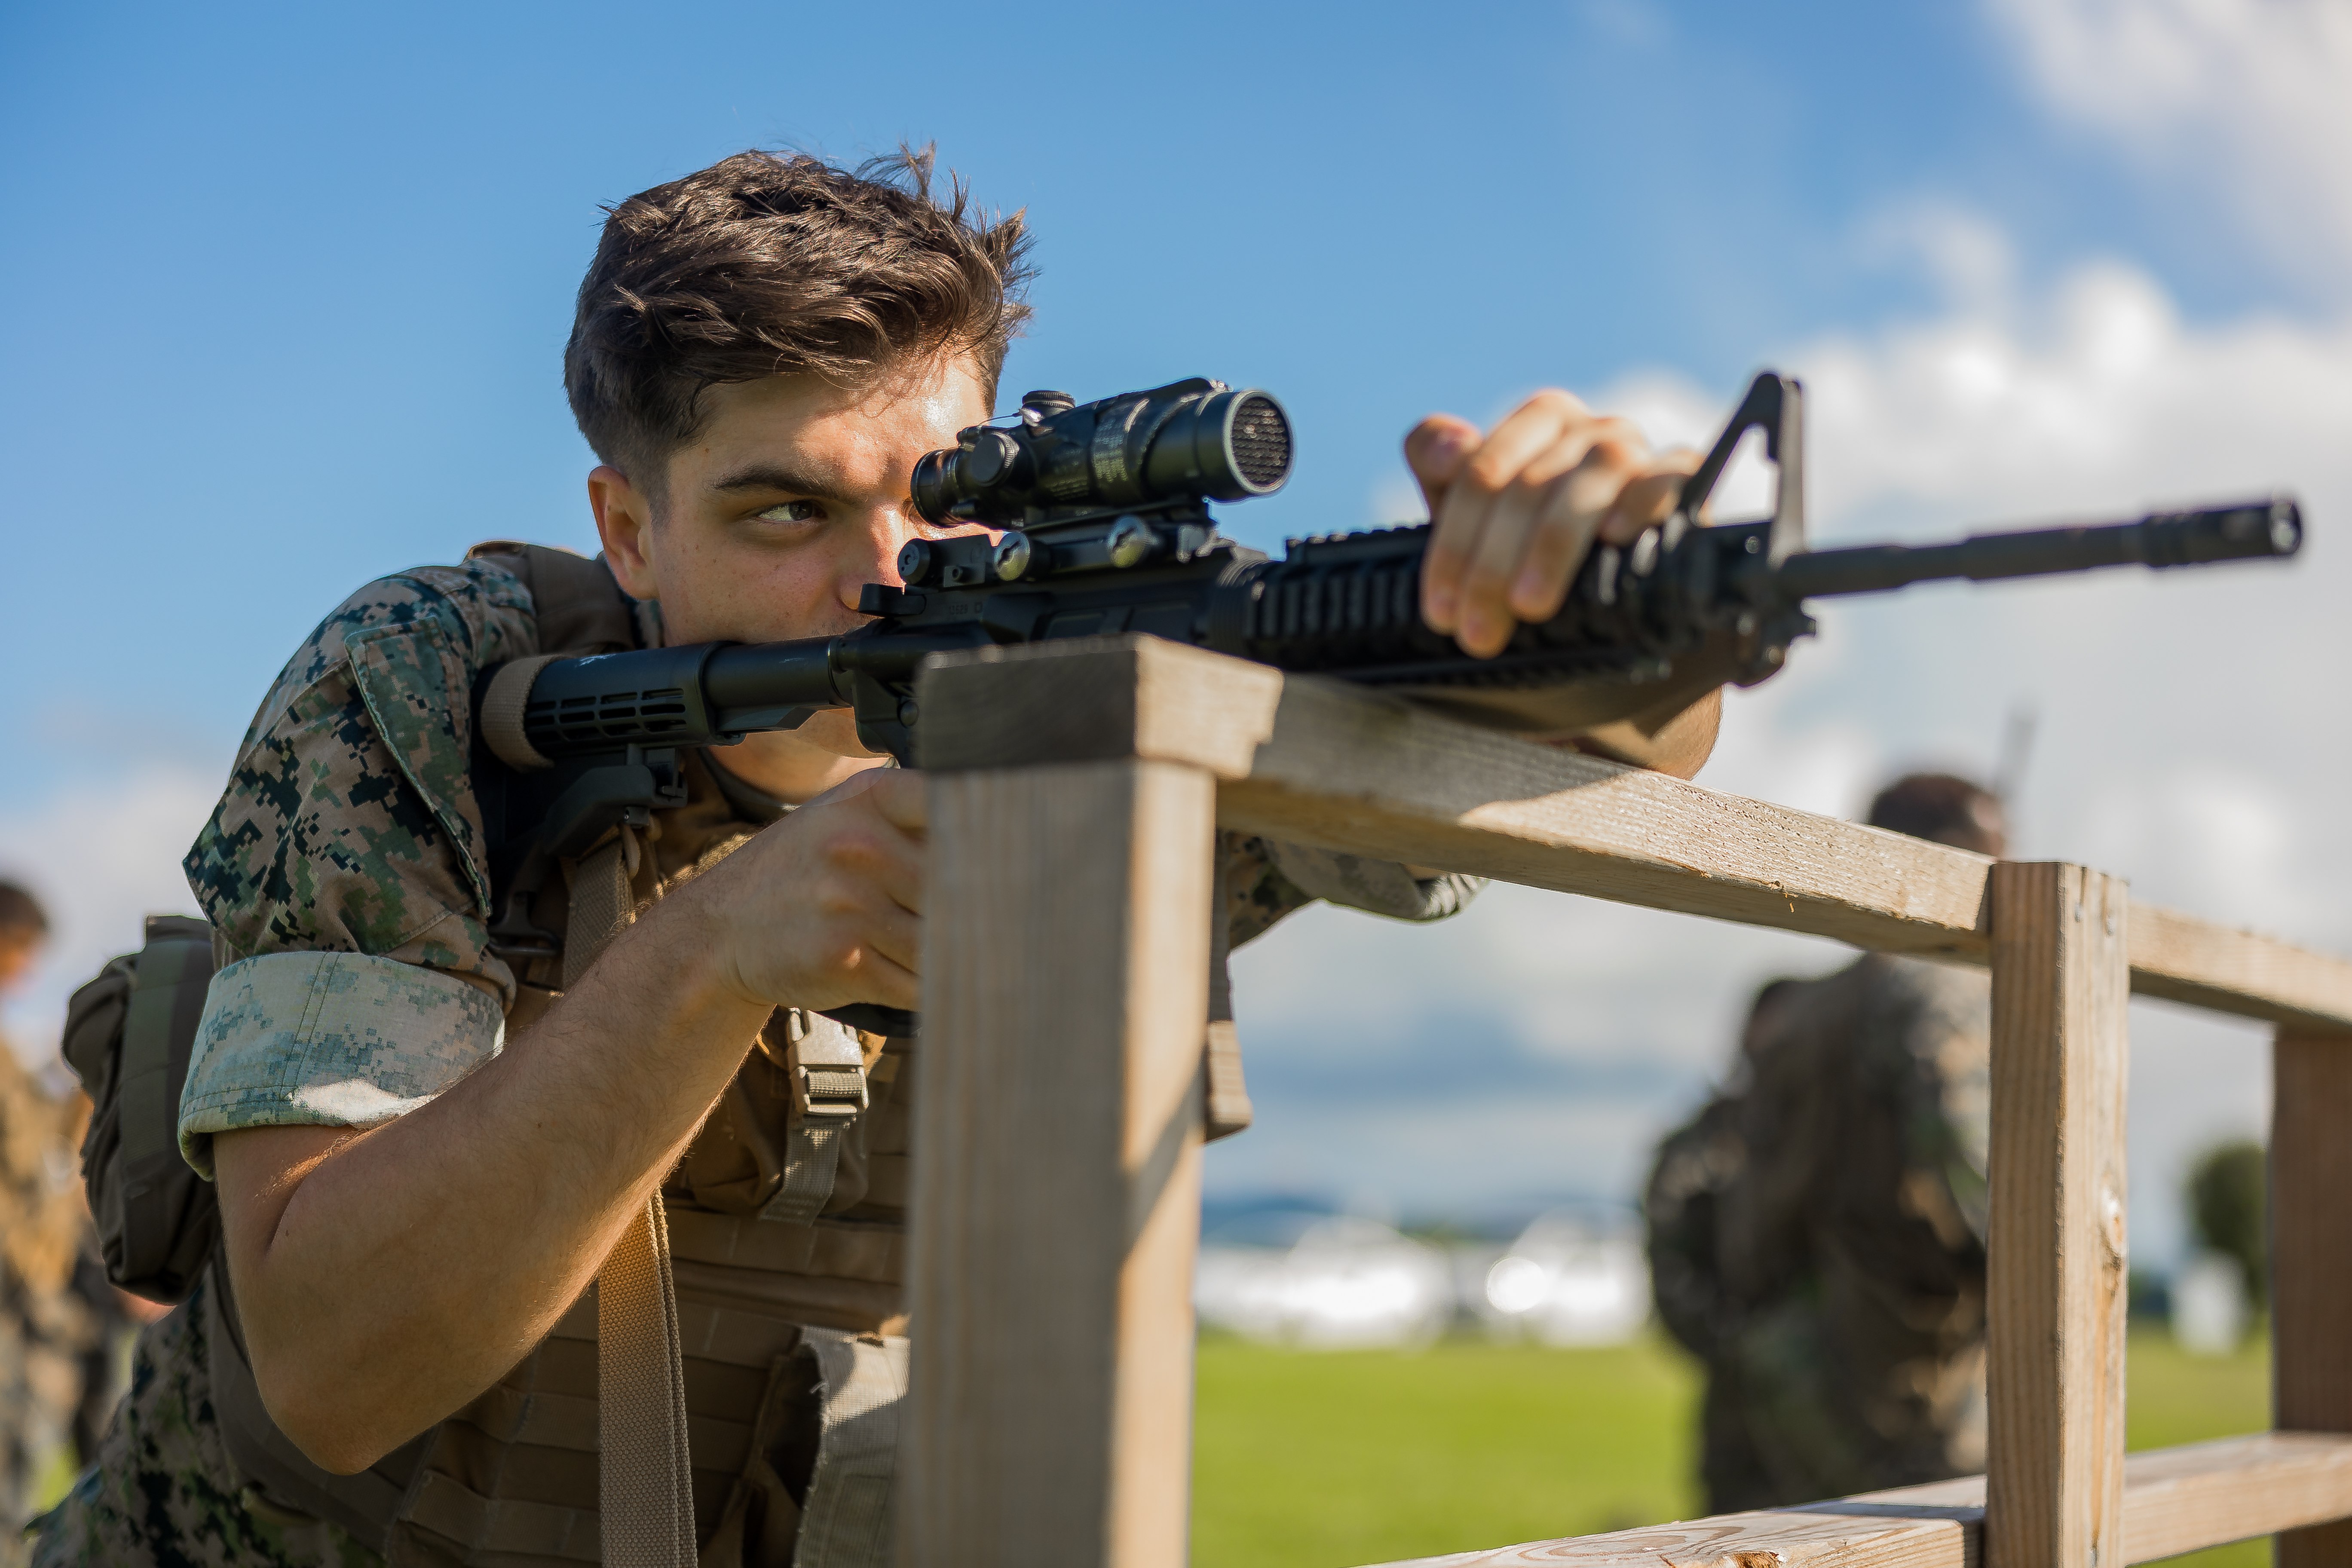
(292, 283)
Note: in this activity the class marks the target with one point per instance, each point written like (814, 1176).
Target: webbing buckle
(830, 1093)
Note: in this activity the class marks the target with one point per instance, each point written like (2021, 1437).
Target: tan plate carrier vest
(786, 1238)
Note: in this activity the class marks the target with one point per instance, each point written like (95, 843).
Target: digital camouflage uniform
(1817, 1238)
(348, 851)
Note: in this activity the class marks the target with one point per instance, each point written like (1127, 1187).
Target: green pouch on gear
(128, 1036)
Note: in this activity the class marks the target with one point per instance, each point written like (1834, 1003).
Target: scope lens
(934, 486)
(1261, 442)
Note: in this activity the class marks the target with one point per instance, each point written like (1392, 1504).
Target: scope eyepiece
(1193, 440)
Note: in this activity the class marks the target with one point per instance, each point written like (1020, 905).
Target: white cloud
(100, 860)
(2253, 98)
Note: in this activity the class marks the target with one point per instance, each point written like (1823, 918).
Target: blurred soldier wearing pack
(1817, 1232)
(47, 1332)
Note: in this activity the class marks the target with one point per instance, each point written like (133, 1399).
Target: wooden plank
(2186, 1499)
(2054, 1279)
(2183, 959)
(1093, 699)
(1319, 761)
(1323, 761)
(1857, 1534)
(1056, 1167)
(2311, 1258)
(2175, 1500)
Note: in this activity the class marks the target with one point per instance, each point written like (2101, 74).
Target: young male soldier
(1817, 1235)
(427, 1144)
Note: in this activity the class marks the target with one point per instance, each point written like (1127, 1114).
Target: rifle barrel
(2250, 530)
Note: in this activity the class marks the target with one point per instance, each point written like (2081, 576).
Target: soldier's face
(792, 499)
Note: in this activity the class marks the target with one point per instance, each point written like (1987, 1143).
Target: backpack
(128, 1038)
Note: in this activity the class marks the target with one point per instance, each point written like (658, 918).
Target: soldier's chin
(834, 730)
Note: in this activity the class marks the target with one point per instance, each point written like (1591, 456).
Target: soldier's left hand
(1517, 509)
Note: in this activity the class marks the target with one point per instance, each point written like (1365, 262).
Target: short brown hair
(777, 264)
(1944, 808)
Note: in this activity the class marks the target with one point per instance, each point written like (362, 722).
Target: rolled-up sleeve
(328, 1039)
(344, 870)
(1265, 881)
(1376, 887)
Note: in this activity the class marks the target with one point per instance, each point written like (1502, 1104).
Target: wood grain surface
(2311, 1259)
(2175, 1500)
(2183, 1499)
(1056, 1167)
(2055, 1259)
(2183, 959)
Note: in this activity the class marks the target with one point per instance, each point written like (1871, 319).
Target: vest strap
(644, 1473)
(829, 1092)
(602, 903)
(1226, 1105)
(1224, 1099)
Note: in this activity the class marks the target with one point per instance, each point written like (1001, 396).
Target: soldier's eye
(792, 512)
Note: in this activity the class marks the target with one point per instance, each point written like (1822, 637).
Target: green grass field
(1332, 1459)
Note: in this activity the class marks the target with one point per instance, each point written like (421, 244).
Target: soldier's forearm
(385, 1279)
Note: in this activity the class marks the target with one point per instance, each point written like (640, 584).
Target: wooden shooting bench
(1075, 791)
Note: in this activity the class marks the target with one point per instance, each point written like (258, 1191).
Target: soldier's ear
(624, 523)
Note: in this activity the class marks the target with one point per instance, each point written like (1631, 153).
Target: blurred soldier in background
(45, 1332)
(1817, 1232)
(61, 1323)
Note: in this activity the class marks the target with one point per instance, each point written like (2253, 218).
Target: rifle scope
(1192, 441)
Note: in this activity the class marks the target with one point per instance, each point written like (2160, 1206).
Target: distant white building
(1568, 1282)
(1322, 1282)
(2210, 1313)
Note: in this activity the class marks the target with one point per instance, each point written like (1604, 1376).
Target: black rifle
(1105, 529)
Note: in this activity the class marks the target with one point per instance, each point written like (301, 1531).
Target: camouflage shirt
(1817, 1237)
(345, 872)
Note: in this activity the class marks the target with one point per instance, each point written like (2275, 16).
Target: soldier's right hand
(825, 907)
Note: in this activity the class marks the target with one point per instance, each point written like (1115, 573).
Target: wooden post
(1057, 1166)
(2311, 1259)
(2061, 982)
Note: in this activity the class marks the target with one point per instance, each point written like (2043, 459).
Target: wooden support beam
(2311, 1259)
(2175, 1500)
(2183, 959)
(1323, 762)
(1348, 767)
(1056, 1167)
(2186, 1499)
(1857, 1534)
(2054, 1279)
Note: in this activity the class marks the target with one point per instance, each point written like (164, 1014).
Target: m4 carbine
(1102, 526)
